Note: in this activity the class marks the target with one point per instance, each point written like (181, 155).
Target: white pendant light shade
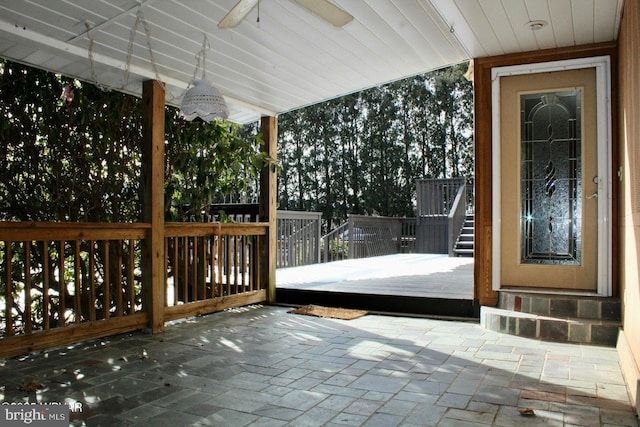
(204, 101)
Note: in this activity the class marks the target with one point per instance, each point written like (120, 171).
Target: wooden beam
(33, 231)
(199, 308)
(153, 202)
(267, 209)
(11, 346)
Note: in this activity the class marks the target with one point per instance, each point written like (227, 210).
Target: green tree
(70, 163)
(454, 99)
(362, 153)
(66, 163)
(292, 156)
(349, 180)
(207, 163)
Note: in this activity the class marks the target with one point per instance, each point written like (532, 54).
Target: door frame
(604, 150)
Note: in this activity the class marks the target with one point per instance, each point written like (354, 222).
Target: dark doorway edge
(437, 307)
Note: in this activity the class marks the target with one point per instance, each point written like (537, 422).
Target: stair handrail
(457, 216)
(334, 235)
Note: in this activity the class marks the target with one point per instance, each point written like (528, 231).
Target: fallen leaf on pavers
(527, 412)
(31, 387)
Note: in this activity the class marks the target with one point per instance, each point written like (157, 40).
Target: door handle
(593, 196)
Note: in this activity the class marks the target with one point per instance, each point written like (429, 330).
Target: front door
(548, 181)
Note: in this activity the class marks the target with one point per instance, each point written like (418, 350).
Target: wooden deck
(413, 283)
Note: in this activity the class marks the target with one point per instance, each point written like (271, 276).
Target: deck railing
(442, 204)
(211, 266)
(299, 236)
(298, 233)
(368, 236)
(408, 236)
(64, 283)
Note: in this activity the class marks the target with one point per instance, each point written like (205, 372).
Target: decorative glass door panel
(551, 177)
(548, 162)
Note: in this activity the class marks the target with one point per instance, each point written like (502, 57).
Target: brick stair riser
(562, 307)
(558, 330)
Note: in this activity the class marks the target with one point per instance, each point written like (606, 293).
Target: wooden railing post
(267, 209)
(153, 264)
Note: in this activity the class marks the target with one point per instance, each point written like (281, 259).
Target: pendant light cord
(147, 31)
(201, 58)
(92, 64)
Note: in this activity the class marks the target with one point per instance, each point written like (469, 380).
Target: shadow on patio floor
(262, 366)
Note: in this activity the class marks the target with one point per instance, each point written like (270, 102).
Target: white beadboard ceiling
(291, 58)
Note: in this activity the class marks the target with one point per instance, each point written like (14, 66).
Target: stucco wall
(629, 220)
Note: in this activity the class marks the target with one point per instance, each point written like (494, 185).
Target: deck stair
(464, 242)
(553, 317)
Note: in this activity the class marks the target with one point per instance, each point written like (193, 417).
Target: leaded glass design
(551, 176)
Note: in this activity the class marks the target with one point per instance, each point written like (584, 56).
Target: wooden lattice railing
(297, 233)
(63, 283)
(212, 266)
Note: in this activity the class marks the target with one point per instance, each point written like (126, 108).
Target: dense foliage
(71, 152)
(362, 153)
(209, 163)
(80, 160)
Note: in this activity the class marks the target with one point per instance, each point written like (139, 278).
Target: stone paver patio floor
(260, 366)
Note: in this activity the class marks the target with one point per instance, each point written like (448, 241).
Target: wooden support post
(483, 293)
(153, 274)
(267, 210)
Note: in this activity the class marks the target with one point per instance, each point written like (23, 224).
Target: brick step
(583, 331)
(561, 306)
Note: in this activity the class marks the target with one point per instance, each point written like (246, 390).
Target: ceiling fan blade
(237, 13)
(328, 11)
